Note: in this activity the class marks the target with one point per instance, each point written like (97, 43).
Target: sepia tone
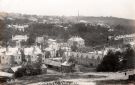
(70, 43)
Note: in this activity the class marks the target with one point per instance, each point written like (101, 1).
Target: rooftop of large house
(83, 21)
(20, 37)
(16, 50)
(40, 39)
(52, 40)
(76, 38)
(93, 55)
(124, 36)
(9, 51)
(32, 50)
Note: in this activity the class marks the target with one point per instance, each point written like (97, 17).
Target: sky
(116, 8)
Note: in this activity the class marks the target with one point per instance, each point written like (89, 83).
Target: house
(5, 77)
(33, 53)
(19, 38)
(88, 59)
(18, 27)
(4, 67)
(51, 41)
(76, 40)
(12, 55)
(67, 67)
(56, 65)
(52, 48)
(129, 40)
(40, 40)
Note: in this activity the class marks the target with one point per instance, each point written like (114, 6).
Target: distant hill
(94, 30)
(108, 20)
(89, 19)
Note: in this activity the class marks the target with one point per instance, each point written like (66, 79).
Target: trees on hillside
(110, 62)
(129, 58)
(115, 61)
(92, 34)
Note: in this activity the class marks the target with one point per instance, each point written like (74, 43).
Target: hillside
(94, 30)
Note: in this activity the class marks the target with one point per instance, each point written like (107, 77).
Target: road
(80, 77)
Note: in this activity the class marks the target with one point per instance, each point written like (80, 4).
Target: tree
(72, 60)
(20, 72)
(129, 57)
(110, 62)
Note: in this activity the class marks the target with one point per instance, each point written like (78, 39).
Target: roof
(53, 63)
(76, 39)
(15, 68)
(39, 39)
(43, 66)
(66, 64)
(83, 21)
(4, 67)
(5, 74)
(52, 40)
(84, 55)
(2, 49)
(20, 37)
(28, 51)
(48, 49)
(32, 50)
(13, 51)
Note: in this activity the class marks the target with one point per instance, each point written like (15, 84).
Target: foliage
(20, 72)
(47, 54)
(92, 33)
(129, 57)
(30, 69)
(110, 62)
(72, 60)
(115, 61)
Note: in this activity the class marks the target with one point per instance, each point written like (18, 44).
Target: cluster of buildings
(78, 41)
(87, 59)
(47, 48)
(124, 36)
(15, 55)
(18, 27)
(54, 54)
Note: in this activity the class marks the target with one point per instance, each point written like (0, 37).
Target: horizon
(66, 15)
(104, 8)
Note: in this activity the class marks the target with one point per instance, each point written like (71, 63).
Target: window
(77, 55)
(87, 57)
(81, 56)
(93, 57)
(91, 64)
(98, 58)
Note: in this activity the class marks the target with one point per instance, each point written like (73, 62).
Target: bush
(27, 70)
(20, 72)
(110, 62)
